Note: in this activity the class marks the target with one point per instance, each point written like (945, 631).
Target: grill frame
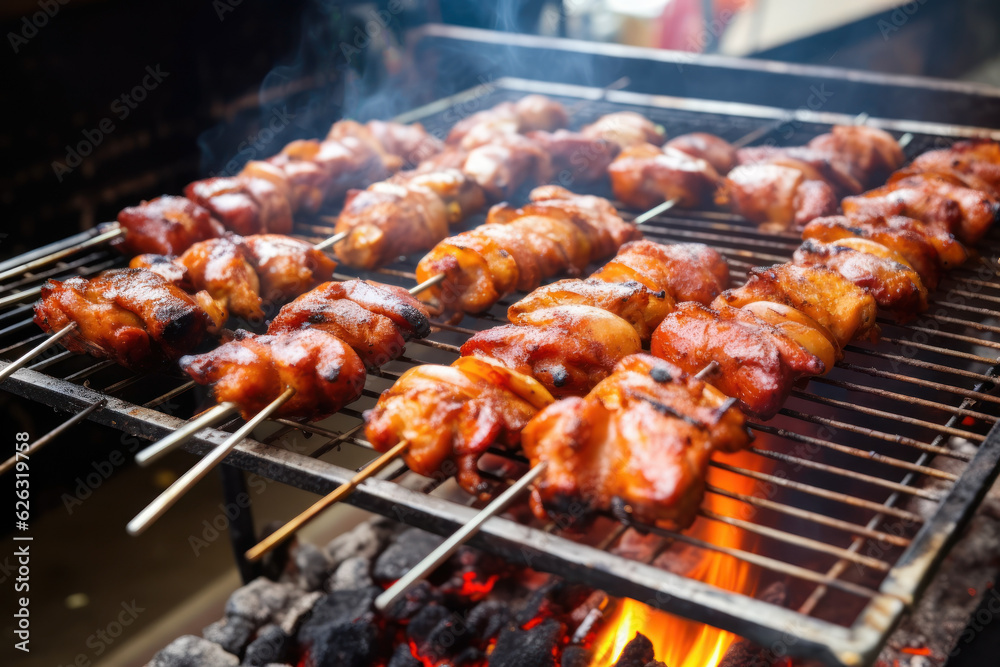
(762, 622)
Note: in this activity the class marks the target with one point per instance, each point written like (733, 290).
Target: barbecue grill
(872, 471)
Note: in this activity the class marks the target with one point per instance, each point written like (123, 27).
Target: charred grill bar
(848, 458)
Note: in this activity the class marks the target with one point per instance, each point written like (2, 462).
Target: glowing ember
(476, 590)
(679, 642)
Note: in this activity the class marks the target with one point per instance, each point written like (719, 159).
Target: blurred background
(107, 102)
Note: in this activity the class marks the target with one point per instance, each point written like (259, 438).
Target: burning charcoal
(365, 540)
(468, 656)
(338, 609)
(488, 618)
(528, 648)
(270, 645)
(576, 656)
(292, 616)
(354, 572)
(313, 565)
(637, 652)
(424, 622)
(404, 658)
(191, 651)
(259, 600)
(345, 646)
(413, 601)
(540, 603)
(402, 555)
(450, 635)
(232, 633)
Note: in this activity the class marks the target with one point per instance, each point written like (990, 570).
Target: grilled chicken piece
(131, 316)
(966, 213)
(686, 271)
(912, 239)
(375, 320)
(625, 129)
(638, 445)
(287, 266)
(165, 266)
(716, 151)
(775, 196)
(557, 233)
(946, 175)
(411, 142)
(977, 158)
(252, 370)
(165, 226)
(632, 301)
(881, 272)
(871, 153)
(461, 195)
(226, 268)
(506, 164)
(451, 415)
(567, 348)
(820, 293)
(576, 157)
(244, 204)
(388, 220)
(758, 362)
(815, 165)
(644, 176)
(532, 112)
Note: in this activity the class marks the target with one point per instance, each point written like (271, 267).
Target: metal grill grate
(858, 485)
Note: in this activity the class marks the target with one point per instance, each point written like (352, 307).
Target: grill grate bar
(816, 491)
(929, 384)
(873, 433)
(941, 350)
(795, 540)
(822, 519)
(843, 472)
(917, 363)
(853, 451)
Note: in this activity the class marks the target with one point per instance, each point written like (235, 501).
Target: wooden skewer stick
(156, 451)
(166, 500)
(21, 361)
(50, 436)
(457, 539)
(17, 297)
(655, 211)
(277, 537)
(114, 232)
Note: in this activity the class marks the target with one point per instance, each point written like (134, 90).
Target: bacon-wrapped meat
(165, 226)
(531, 112)
(506, 164)
(451, 415)
(517, 248)
(638, 445)
(977, 158)
(131, 316)
(252, 370)
(815, 165)
(244, 204)
(375, 320)
(644, 176)
(871, 153)
(576, 157)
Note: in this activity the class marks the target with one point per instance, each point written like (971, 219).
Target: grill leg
(241, 533)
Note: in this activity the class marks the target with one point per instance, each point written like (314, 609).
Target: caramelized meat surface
(568, 348)
(716, 151)
(226, 268)
(287, 266)
(638, 446)
(644, 176)
(165, 226)
(625, 129)
(775, 196)
(758, 363)
(576, 157)
(685, 271)
(244, 204)
(874, 268)
(252, 371)
(451, 415)
(823, 294)
(131, 316)
(871, 153)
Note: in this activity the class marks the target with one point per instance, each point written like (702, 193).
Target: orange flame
(679, 642)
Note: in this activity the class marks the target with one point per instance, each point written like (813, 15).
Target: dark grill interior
(856, 486)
